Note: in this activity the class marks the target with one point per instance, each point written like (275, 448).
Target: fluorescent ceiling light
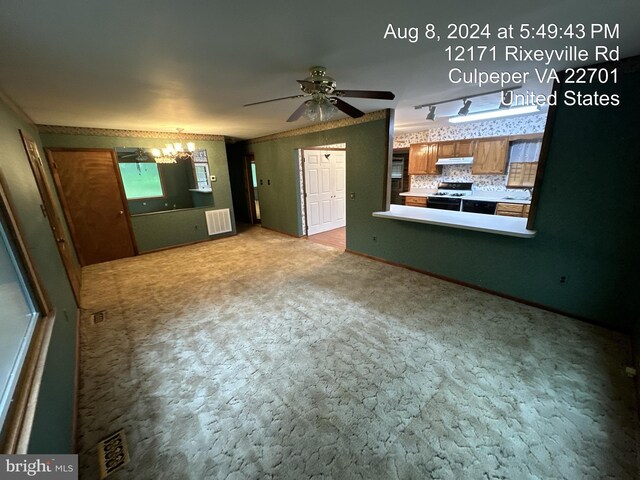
(495, 114)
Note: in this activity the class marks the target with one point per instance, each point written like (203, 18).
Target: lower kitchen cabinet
(415, 201)
(512, 209)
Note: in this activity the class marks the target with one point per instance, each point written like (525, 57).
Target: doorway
(323, 186)
(250, 184)
(92, 198)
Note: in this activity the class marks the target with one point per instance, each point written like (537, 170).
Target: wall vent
(98, 317)
(218, 221)
(112, 453)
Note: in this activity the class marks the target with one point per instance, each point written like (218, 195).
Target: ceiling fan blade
(298, 113)
(346, 108)
(274, 100)
(377, 94)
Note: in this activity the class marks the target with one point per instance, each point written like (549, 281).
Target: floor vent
(98, 317)
(218, 221)
(112, 453)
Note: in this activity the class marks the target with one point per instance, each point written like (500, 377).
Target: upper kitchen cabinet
(461, 148)
(490, 157)
(423, 158)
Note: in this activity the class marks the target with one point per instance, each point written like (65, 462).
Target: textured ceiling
(162, 65)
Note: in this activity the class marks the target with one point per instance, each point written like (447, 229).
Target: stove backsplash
(461, 173)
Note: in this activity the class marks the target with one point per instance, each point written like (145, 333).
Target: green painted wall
(53, 421)
(277, 161)
(168, 228)
(580, 236)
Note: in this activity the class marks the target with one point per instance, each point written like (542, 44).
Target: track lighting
(506, 99)
(465, 108)
(432, 113)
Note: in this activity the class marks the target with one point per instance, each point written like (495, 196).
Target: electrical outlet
(564, 279)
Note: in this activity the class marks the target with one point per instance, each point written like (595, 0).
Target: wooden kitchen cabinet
(423, 158)
(490, 157)
(415, 201)
(461, 148)
(512, 209)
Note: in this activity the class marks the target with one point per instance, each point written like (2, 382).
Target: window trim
(16, 431)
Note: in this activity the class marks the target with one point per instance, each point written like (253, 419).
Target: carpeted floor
(263, 356)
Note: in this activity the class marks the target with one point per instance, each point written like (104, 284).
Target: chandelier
(173, 152)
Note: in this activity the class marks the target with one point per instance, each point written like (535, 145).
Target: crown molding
(109, 132)
(320, 127)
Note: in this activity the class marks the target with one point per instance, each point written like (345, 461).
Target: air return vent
(112, 453)
(218, 221)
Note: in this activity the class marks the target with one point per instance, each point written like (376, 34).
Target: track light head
(432, 113)
(465, 108)
(507, 99)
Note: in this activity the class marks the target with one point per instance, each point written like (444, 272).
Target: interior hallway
(266, 356)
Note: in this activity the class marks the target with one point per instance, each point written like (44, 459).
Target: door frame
(49, 210)
(65, 206)
(303, 182)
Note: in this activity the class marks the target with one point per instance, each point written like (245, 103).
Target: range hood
(455, 161)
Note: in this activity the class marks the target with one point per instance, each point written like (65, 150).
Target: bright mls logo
(51, 467)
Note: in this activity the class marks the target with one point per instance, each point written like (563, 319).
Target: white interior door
(325, 179)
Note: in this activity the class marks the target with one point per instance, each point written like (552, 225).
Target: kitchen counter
(483, 195)
(512, 226)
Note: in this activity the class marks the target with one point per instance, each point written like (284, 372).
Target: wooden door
(49, 211)
(94, 204)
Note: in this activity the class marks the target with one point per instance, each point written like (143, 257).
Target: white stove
(448, 196)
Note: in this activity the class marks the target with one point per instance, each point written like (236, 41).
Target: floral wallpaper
(492, 128)
(460, 173)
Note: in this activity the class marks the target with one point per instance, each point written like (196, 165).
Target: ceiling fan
(325, 99)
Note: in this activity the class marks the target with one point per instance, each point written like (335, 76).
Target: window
(26, 323)
(18, 317)
(141, 180)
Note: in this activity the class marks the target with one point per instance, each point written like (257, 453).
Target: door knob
(121, 212)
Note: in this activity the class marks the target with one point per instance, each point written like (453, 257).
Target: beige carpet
(264, 356)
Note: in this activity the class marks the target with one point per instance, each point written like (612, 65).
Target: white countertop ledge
(498, 224)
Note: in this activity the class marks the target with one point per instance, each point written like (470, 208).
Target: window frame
(15, 433)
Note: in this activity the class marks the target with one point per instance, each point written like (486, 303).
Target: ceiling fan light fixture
(320, 109)
(432, 113)
(465, 107)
